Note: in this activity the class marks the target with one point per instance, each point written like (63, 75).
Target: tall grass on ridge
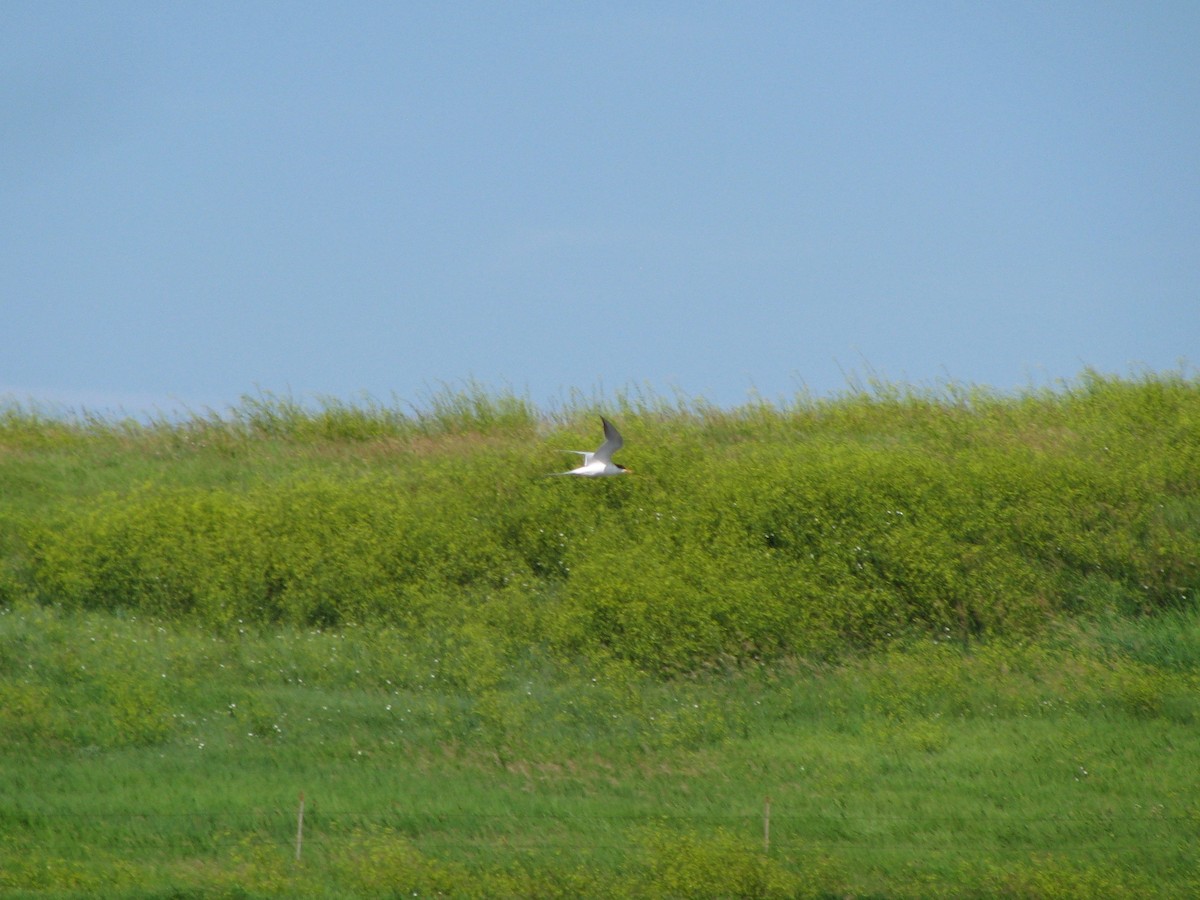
(797, 529)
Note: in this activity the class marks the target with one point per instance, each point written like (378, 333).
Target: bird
(599, 462)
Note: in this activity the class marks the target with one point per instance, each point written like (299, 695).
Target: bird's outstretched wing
(612, 442)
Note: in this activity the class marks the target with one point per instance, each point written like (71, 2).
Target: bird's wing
(612, 442)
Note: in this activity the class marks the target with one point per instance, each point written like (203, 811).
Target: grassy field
(950, 637)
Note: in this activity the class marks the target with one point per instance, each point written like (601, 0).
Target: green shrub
(317, 553)
(809, 529)
(686, 865)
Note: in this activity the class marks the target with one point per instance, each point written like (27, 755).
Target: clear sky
(201, 200)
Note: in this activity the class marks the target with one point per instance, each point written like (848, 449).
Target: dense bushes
(791, 530)
(312, 553)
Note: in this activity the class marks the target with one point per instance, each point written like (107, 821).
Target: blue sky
(201, 200)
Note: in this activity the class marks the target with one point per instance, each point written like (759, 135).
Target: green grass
(952, 636)
(141, 759)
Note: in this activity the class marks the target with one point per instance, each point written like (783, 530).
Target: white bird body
(598, 463)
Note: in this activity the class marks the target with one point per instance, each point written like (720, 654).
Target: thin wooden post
(300, 827)
(767, 825)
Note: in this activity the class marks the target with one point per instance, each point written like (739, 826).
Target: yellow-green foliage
(798, 529)
(683, 865)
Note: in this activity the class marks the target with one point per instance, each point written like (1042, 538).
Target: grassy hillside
(797, 530)
(952, 635)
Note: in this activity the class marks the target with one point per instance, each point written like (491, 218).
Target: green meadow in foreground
(893, 644)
